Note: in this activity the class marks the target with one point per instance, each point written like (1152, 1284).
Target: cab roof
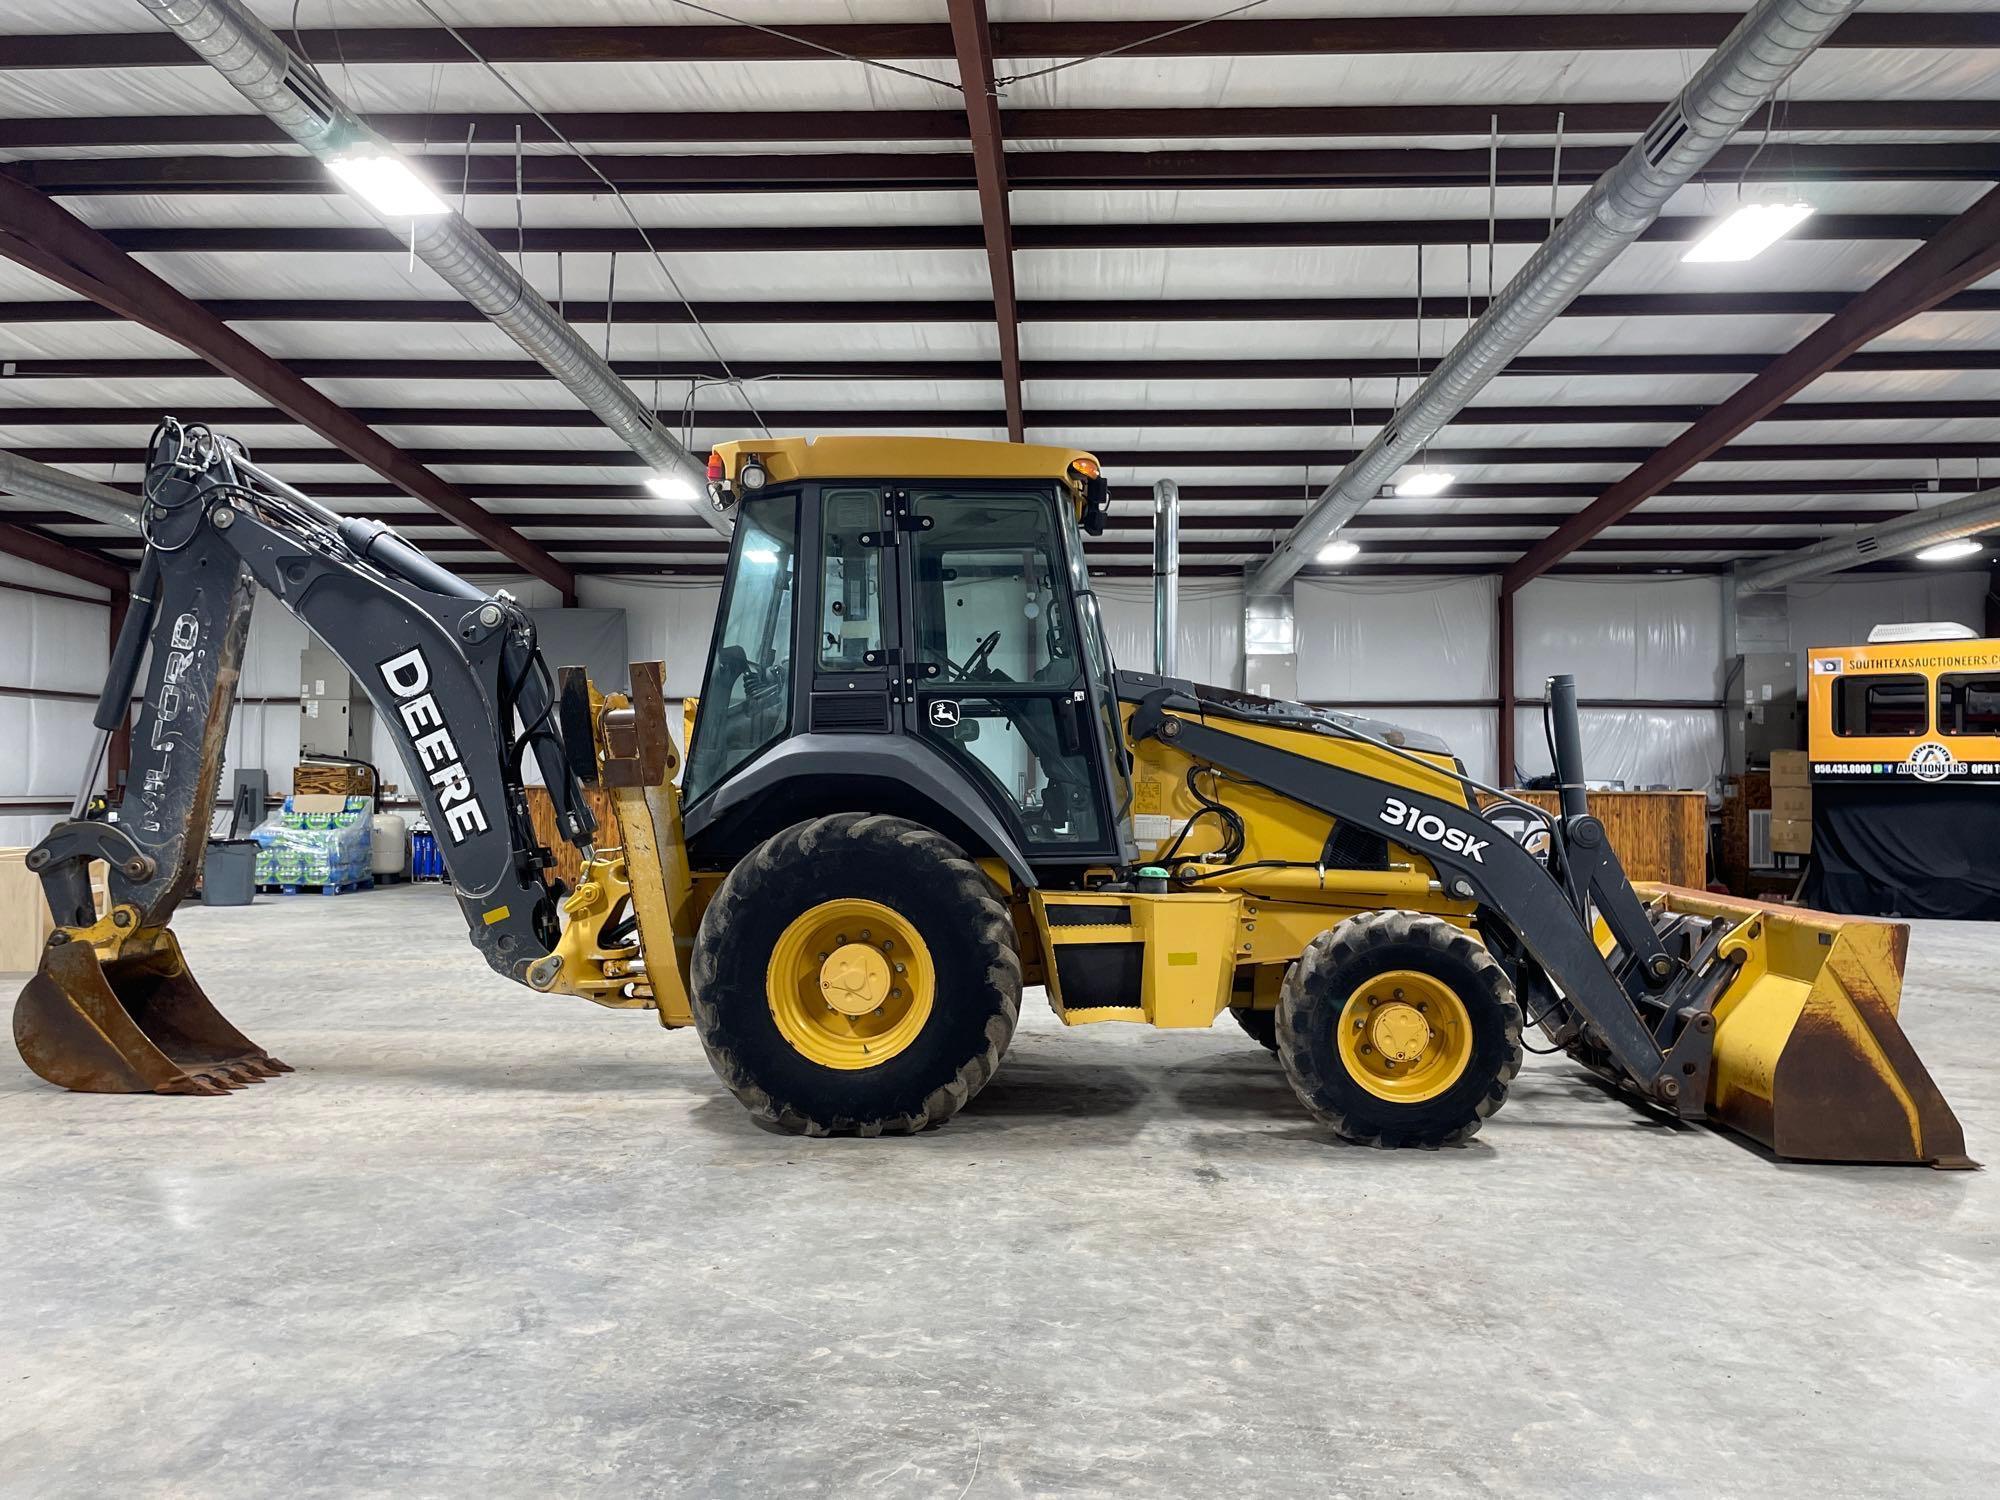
(793, 458)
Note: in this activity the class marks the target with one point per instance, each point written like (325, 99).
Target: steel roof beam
(1089, 171)
(1616, 30)
(826, 238)
(1953, 259)
(63, 557)
(1294, 460)
(1147, 122)
(573, 522)
(1071, 418)
(973, 49)
(641, 312)
(1316, 369)
(54, 244)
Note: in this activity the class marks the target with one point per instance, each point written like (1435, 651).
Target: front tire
(855, 975)
(1398, 1029)
(1261, 1026)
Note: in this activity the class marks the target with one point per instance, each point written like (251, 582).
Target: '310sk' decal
(1433, 829)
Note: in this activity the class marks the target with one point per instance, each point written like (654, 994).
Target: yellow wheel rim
(1404, 1036)
(850, 983)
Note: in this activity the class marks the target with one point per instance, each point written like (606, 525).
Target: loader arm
(1477, 863)
(1776, 1022)
(448, 666)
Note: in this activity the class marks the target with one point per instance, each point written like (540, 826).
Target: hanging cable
(1556, 174)
(591, 166)
(1160, 36)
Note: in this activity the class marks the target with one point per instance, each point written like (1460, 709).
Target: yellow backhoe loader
(916, 785)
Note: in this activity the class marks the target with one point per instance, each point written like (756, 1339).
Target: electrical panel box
(335, 716)
(1763, 712)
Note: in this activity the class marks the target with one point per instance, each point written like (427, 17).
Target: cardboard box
(1790, 768)
(1791, 835)
(25, 923)
(1792, 802)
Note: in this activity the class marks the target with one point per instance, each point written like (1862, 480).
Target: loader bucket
(133, 1023)
(1809, 1057)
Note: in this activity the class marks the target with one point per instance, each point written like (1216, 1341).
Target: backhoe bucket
(133, 1023)
(1809, 1057)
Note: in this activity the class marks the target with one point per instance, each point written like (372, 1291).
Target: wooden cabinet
(1657, 835)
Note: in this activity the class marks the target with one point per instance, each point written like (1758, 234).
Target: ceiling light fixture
(1750, 231)
(671, 486)
(386, 183)
(1951, 551)
(1339, 550)
(1425, 482)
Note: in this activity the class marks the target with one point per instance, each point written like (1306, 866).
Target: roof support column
(974, 45)
(1503, 740)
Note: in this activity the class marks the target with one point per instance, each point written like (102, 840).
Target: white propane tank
(389, 852)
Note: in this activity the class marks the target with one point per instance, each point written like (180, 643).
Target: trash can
(229, 872)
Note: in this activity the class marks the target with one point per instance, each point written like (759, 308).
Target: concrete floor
(489, 1242)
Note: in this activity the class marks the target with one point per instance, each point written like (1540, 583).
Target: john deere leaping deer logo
(1932, 761)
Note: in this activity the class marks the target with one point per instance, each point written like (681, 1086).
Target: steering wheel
(976, 662)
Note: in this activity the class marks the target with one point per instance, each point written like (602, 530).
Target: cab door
(994, 662)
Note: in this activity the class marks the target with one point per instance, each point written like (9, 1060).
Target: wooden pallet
(318, 779)
(301, 888)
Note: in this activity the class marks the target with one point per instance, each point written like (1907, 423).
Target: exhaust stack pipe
(1567, 731)
(1166, 576)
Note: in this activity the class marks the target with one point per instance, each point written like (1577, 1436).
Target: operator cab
(915, 612)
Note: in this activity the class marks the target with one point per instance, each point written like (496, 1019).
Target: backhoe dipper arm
(447, 666)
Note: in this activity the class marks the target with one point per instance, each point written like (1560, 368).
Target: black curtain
(1906, 849)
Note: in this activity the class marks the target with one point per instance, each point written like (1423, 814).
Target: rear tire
(855, 975)
(1261, 1026)
(1398, 1029)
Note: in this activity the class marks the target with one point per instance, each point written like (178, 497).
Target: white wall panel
(58, 645)
(1621, 637)
(664, 621)
(24, 830)
(17, 735)
(1642, 747)
(1381, 641)
(1210, 628)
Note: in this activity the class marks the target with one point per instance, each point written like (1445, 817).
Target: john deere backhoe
(915, 785)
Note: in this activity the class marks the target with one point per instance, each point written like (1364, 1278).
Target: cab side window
(850, 597)
(746, 696)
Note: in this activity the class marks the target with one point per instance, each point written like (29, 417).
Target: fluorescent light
(671, 486)
(1339, 550)
(768, 556)
(387, 184)
(1951, 551)
(1425, 482)
(1752, 229)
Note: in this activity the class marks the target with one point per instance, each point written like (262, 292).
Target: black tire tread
(1261, 1026)
(1354, 938)
(819, 838)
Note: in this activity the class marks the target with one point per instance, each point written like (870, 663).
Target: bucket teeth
(134, 1024)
